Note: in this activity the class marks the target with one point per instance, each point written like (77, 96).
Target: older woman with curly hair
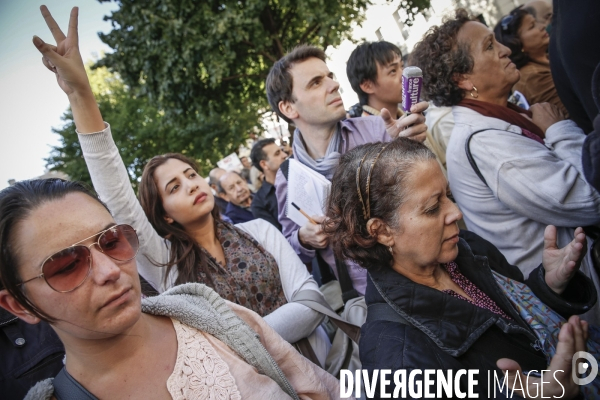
(511, 171)
(528, 42)
(440, 299)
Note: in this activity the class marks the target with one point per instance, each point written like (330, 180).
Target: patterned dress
(250, 277)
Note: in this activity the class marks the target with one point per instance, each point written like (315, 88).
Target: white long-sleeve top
(293, 321)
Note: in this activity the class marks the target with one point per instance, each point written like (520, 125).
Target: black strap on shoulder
(348, 291)
(470, 156)
(384, 312)
(67, 388)
(325, 270)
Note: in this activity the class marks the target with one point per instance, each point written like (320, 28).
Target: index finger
(72, 33)
(57, 33)
(318, 218)
(419, 107)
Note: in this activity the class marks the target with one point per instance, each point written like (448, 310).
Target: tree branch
(309, 32)
(270, 57)
(262, 52)
(274, 35)
(287, 18)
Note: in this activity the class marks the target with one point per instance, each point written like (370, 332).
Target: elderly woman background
(511, 174)
(528, 42)
(389, 211)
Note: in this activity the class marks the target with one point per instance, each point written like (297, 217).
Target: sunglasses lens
(66, 269)
(119, 242)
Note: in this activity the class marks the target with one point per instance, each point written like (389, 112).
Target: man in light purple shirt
(302, 91)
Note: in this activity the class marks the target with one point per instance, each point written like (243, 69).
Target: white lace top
(199, 373)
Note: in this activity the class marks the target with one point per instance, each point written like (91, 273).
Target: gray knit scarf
(325, 166)
(199, 306)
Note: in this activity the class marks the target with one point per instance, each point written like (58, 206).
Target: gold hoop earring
(476, 95)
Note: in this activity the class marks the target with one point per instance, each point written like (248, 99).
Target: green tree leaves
(137, 126)
(205, 62)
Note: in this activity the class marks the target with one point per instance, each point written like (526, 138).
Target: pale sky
(31, 103)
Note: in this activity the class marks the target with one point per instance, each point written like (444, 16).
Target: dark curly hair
(346, 225)
(441, 58)
(507, 33)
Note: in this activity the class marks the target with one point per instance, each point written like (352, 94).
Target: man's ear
(381, 231)
(368, 86)
(287, 108)
(263, 164)
(223, 196)
(10, 304)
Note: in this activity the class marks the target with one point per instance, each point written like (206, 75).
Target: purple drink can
(412, 81)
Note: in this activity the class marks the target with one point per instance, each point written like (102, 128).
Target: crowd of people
(461, 234)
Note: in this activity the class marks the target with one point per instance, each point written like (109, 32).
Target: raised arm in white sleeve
(112, 184)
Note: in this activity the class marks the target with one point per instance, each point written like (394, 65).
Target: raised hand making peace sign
(65, 61)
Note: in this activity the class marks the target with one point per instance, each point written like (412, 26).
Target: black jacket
(591, 156)
(238, 214)
(591, 146)
(574, 55)
(28, 354)
(264, 204)
(448, 333)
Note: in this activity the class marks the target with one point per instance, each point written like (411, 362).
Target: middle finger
(415, 132)
(408, 120)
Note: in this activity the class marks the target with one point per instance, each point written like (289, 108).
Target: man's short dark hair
(258, 154)
(279, 81)
(362, 64)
